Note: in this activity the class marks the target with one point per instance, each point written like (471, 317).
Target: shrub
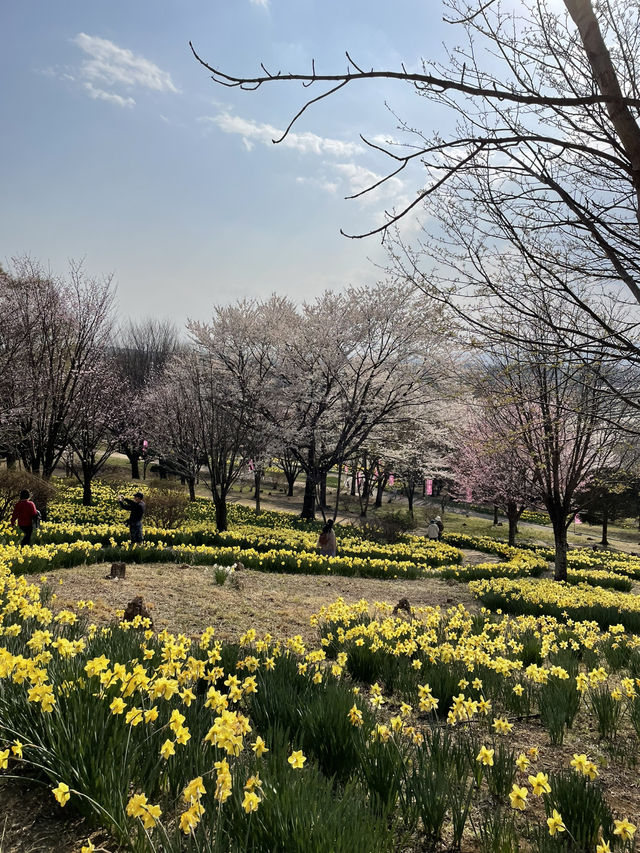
(389, 528)
(13, 481)
(166, 506)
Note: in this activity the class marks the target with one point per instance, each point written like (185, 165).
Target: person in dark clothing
(136, 509)
(327, 540)
(25, 514)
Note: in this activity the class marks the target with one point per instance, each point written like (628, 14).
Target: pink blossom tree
(63, 327)
(489, 467)
(91, 433)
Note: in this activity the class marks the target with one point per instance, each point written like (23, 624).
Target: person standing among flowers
(438, 521)
(327, 540)
(25, 514)
(136, 509)
(433, 531)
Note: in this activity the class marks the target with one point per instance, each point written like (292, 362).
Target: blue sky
(119, 149)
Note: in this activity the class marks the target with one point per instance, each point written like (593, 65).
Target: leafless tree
(62, 326)
(96, 412)
(552, 409)
(142, 350)
(541, 167)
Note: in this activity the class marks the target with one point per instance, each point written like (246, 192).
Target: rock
(238, 567)
(136, 608)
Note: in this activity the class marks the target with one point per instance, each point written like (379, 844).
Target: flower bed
(582, 602)
(362, 745)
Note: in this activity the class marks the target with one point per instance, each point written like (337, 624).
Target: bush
(13, 481)
(388, 528)
(166, 506)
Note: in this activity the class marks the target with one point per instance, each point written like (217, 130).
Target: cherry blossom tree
(491, 467)
(357, 362)
(239, 353)
(97, 409)
(554, 407)
(423, 447)
(63, 327)
(173, 422)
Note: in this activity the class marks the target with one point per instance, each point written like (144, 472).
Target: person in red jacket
(24, 513)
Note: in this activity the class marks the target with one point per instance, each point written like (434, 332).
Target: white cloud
(101, 95)
(359, 178)
(305, 143)
(111, 69)
(263, 3)
(325, 185)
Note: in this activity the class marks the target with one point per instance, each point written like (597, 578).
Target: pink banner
(392, 479)
(428, 487)
(577, 520)
(469, 496)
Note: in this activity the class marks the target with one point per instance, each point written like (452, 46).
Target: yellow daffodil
(624, 829)
(485, 756)
(555, 823)
(61, 793)
(297, 759)
(540, 784)
(518, 797)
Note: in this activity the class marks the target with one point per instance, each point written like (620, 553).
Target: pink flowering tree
(553, 403)
(489, 467)
(91, 425)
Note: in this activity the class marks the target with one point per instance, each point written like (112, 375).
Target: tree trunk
(512, 516)
(291, 478)
(191, 482)
(86, 488)
(134, 459)
(495, 516)
(353, 481)
(560, 539)
(221, 513)
(309, 500)
(323, 491)
(410, 495)
(382, 482)
(605, 527)
(257, 477)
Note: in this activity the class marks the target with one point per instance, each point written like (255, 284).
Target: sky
(118, 149)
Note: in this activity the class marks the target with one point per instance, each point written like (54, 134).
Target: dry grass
(186, 599)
